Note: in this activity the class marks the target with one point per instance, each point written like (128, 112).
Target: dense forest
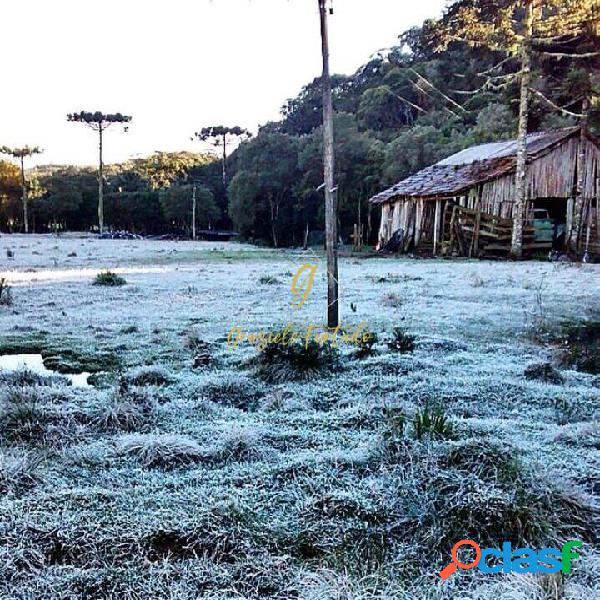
(408, 107)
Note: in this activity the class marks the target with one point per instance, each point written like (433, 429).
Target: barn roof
(472, 166)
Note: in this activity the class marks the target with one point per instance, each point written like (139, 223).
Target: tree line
(150, 196)
(452, 83)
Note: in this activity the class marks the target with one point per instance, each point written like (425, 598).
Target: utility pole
(194, 212)
(329, 166)
(224, 160)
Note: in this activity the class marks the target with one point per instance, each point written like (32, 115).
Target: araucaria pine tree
(99, 122)
(21, 154)
(220, 137)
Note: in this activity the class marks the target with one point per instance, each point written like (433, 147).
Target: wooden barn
(464, 204)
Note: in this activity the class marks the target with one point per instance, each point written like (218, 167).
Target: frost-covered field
(169, 480)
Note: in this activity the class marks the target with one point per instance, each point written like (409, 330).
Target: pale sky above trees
(174, 66)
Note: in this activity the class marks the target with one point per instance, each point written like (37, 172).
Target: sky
(174, 66)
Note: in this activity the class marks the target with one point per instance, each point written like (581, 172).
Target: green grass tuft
(108, 278)
(401, 341)
(296, 361)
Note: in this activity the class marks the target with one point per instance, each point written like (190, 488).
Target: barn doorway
(556, 209)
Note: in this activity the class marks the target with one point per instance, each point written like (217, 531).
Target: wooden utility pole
(519, 208)
(24, 196)
(194, 212)
(225, 160)
(331, 236)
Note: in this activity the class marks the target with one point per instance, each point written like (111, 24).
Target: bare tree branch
(555, 106)
(433, 87)
(496, 66)
(402, 98)
(490, 86)
(420, 89)
(568, 55)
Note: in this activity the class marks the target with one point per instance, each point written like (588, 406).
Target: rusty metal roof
(472, 166)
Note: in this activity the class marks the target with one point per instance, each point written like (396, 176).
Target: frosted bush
(26, 377)
(121, 414)
(19, 470)
(240, 444)
(148, 375)
(156, 450)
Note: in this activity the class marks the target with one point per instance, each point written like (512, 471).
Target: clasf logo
(507, 560)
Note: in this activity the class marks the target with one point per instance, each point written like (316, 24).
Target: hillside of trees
(406, 108)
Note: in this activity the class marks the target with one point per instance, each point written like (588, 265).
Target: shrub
(193, 341)
(240, 444)
(6, 298)
(235, 391)
(268, 280)
(487, 460)
(526, 512)
(581, 346)
(122, 414)
(297, 360)
(23, 416)
(389, 278)
(438, 494)
(27, 377)
(401, 434)
(425, 423)
(220, 532)
(366, 344)
(392, 300)
(19, 470)
(568, 411)
(147, 375)
(401, 341)
(544, 372)
(109, 278)
(432, 422)
(160, 450)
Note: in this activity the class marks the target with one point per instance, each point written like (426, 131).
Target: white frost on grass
(218, 432)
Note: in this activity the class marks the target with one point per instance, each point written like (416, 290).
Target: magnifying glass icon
(447, 571)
